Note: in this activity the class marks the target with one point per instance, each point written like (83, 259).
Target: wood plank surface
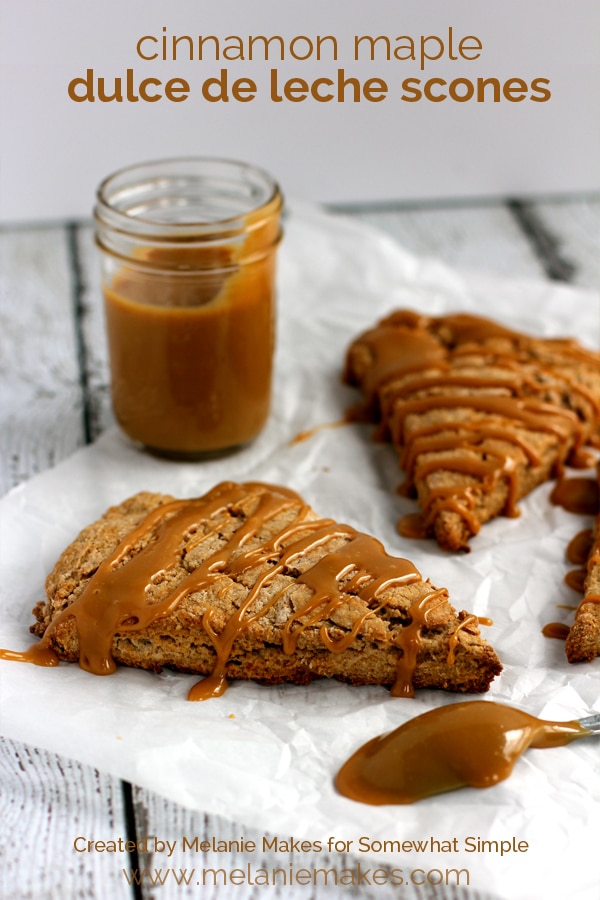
(48, 806)
(87, 269)
(485, 237)
(575, 227)
(55, 398)
(40, 402)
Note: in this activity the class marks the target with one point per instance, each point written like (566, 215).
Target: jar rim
(147, 198)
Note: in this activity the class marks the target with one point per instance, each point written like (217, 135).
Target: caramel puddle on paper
(470, 744)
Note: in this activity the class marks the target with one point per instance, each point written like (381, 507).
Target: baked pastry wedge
(247, 582)
(479, 414)
(583, 640)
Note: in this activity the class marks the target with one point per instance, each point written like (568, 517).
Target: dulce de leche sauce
(188, 252)
(191, 372)
(475, 744)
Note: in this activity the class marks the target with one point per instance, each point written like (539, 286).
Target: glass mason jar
(188, 252)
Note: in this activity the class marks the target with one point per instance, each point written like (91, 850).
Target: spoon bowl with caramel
(470, 744)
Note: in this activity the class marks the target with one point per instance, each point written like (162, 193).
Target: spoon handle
(592, 723)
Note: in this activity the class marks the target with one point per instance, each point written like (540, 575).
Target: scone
(479, 414)
(247, 582)
(583, 641)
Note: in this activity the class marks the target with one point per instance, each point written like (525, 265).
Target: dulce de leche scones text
(479, 414)
(247, 582)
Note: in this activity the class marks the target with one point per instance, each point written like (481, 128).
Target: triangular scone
(583, 640)
(479, 414)
(247, 582)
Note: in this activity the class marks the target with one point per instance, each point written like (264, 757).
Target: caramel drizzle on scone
(581, 496)
(115, 600)
(410, 366)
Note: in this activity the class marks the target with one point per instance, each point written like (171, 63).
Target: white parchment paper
(266, 756)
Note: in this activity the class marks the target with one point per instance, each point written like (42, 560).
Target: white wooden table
(55, 399)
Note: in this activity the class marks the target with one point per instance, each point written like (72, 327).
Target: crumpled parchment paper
(267, 756)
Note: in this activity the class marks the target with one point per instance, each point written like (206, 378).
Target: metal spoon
(591, 723)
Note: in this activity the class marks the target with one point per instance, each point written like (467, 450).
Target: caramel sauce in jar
(475, 744)
(188, 251)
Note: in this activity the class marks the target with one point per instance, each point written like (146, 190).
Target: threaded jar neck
(192, 204)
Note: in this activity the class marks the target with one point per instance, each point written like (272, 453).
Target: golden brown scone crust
(453, 394)
(179, 640)
(583, 640)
